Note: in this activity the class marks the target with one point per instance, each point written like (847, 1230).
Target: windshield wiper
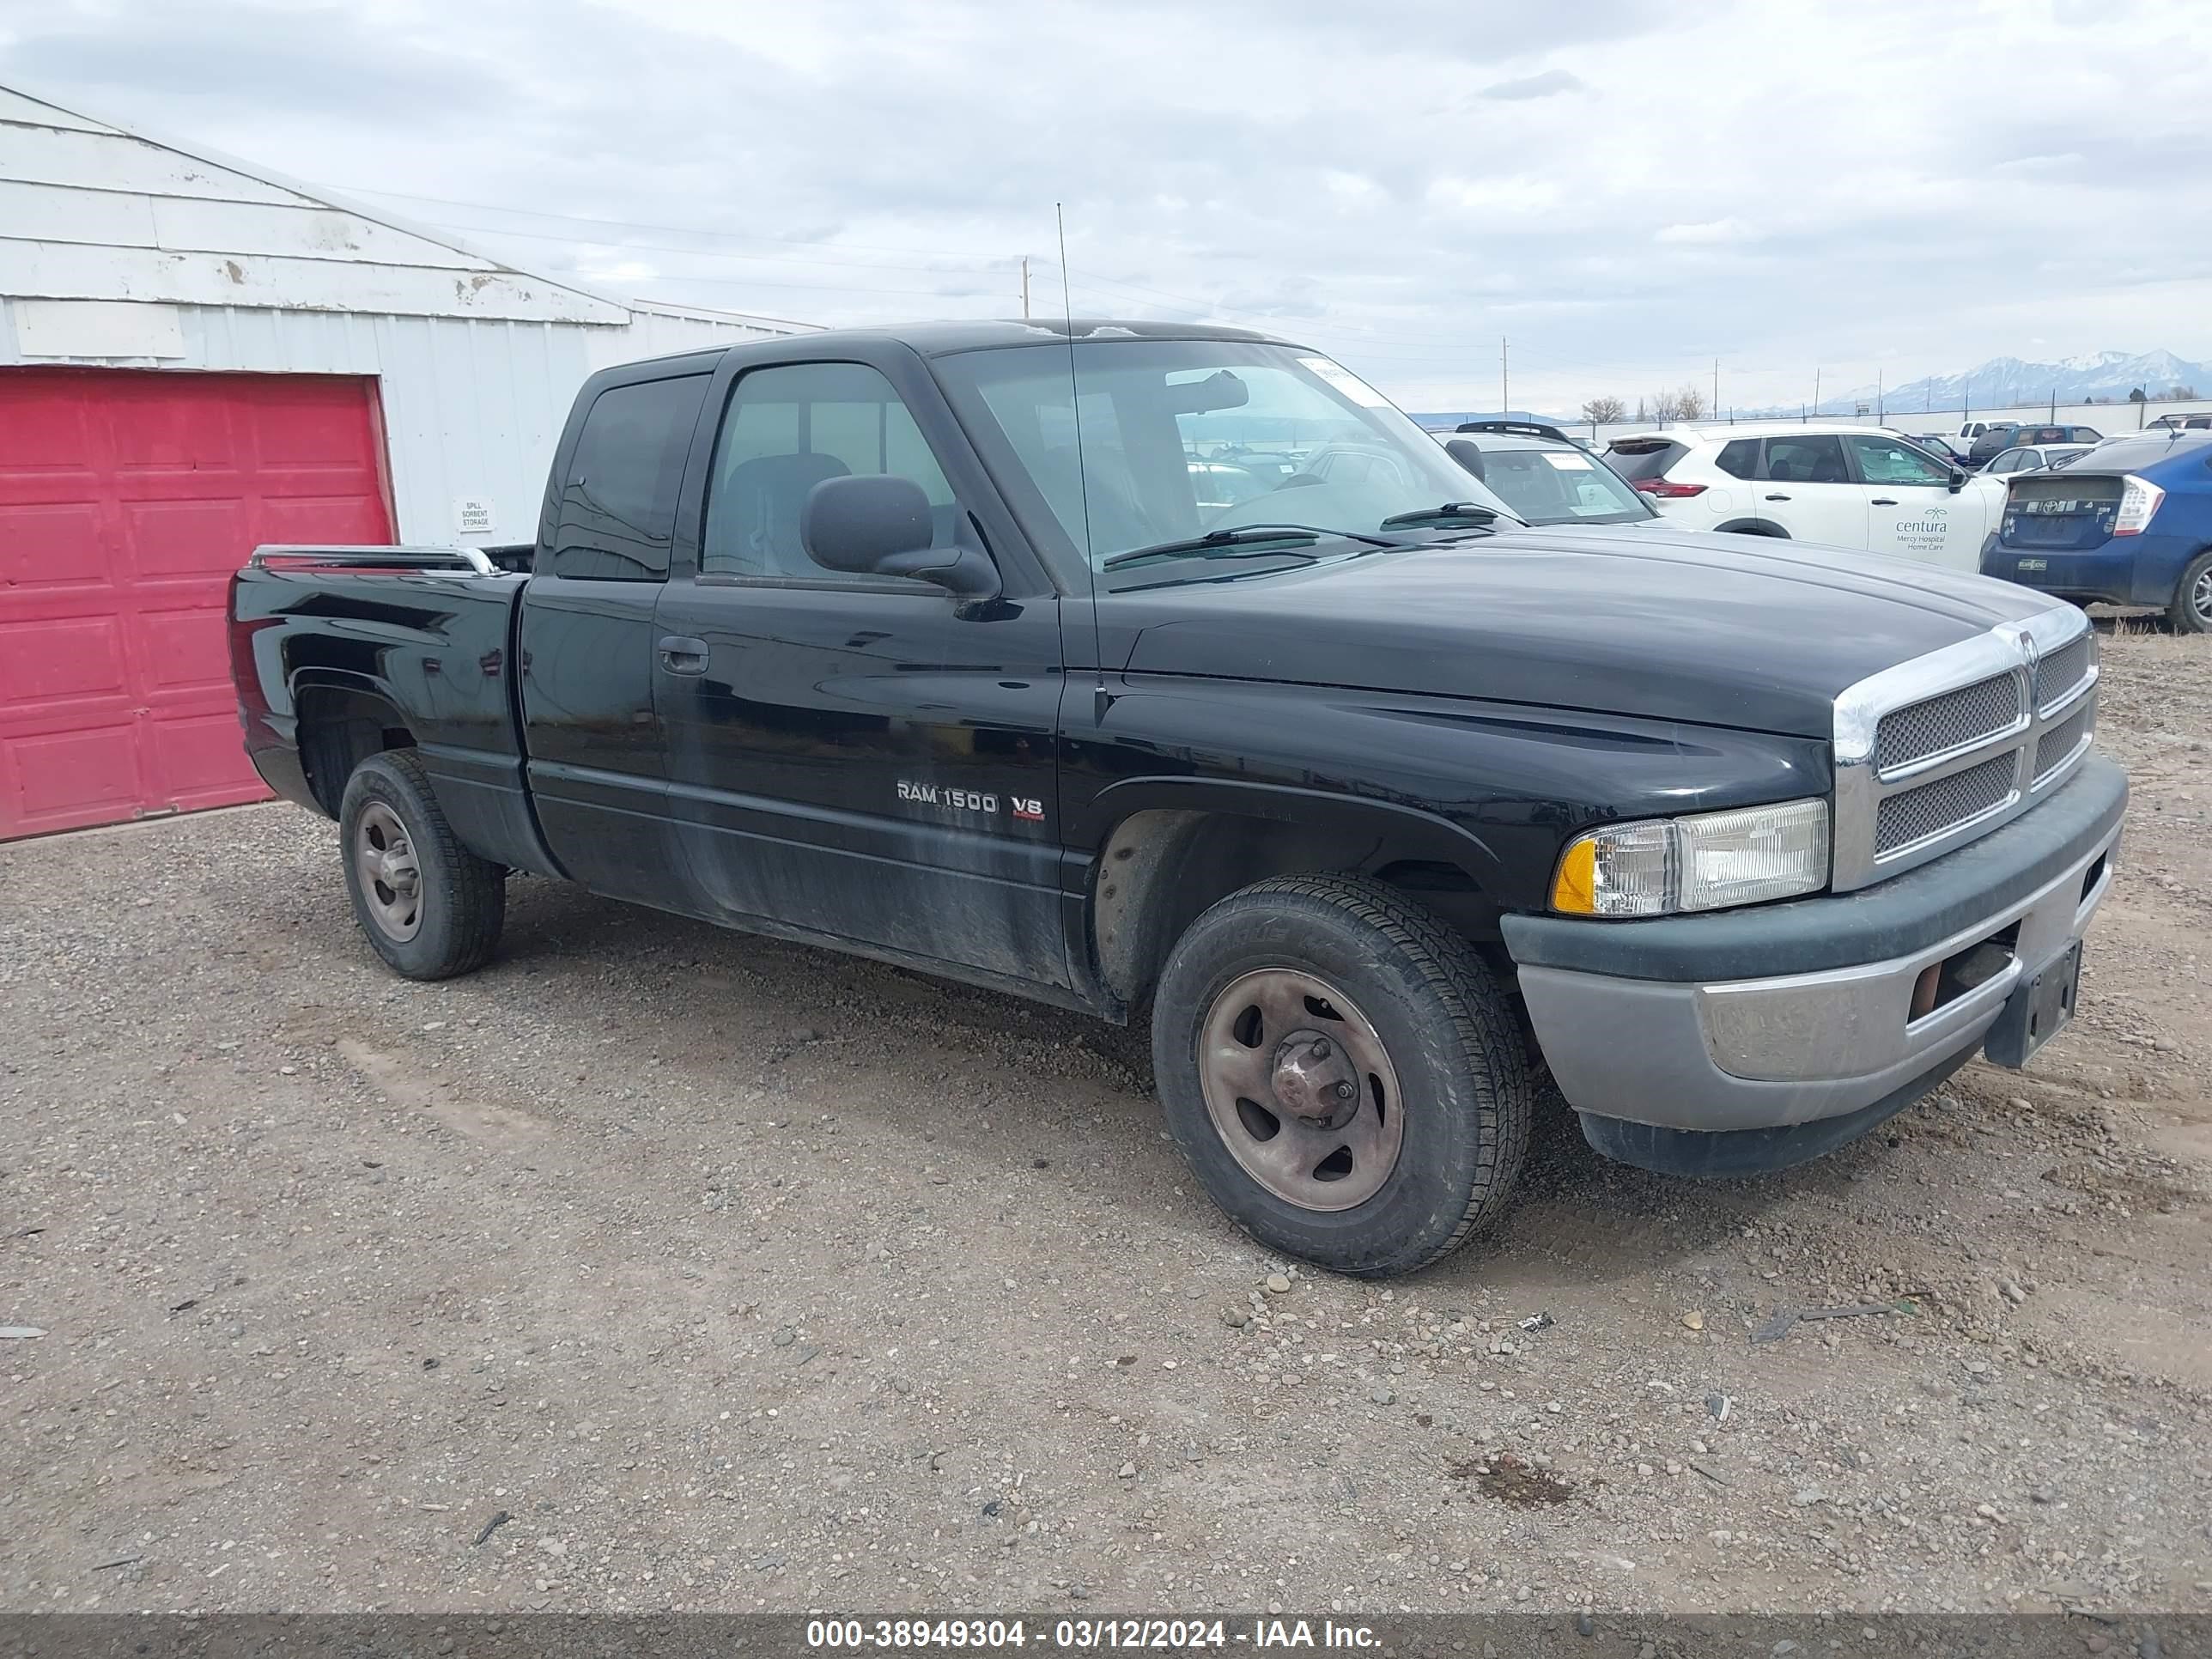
(1473, 512)
(1219, 544)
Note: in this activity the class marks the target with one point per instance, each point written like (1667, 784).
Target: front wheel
(1342, 1073)
(2192, 609)
(430, 907)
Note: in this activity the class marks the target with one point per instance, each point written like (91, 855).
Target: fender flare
(320, 677)
(1433, 836)
(1138, 889)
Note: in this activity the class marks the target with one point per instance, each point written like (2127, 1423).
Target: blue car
(2129, 523)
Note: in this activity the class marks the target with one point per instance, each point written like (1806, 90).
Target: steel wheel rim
(2200, 595)
(1277, 1048)
(391, 877)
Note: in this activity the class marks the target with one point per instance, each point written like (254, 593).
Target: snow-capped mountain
(2007, 382)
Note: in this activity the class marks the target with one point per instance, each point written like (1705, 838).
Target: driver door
(857, 757)
(1911, 512)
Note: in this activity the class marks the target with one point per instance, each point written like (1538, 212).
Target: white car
(2032, 457)
(1846, 486)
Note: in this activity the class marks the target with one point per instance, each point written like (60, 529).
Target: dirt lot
(726, 1275)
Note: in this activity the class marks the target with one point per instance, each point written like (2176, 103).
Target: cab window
(789, 427)
(1810, 460)
(1892, 461)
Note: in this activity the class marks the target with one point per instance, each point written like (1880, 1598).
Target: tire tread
(1484, 1031)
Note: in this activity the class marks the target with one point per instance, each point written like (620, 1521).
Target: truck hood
(1717, 629)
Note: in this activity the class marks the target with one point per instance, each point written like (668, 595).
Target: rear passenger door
(587, 668)
(859, 758)
(1806, 488)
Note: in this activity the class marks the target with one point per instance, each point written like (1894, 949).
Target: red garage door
(126, 501)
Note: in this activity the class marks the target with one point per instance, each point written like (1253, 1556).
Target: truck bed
(351, 632)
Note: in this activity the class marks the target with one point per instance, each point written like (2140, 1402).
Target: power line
(1002, 264)
(633, 224)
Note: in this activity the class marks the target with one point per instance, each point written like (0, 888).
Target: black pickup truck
(1170, 673)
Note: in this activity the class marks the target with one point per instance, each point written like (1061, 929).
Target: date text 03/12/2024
(1082, 1635)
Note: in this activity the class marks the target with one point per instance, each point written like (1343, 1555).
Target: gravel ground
(656, 1266)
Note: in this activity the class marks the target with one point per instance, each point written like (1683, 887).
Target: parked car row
(2125, 521)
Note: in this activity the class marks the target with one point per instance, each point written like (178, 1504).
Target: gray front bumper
(1716, 1052)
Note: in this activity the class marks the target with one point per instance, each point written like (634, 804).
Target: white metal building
(197, 355)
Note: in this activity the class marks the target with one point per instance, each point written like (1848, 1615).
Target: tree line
(1687, 404)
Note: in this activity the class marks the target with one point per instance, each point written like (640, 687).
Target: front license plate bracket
(2036, 1011)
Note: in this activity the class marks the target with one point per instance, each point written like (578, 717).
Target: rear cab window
(617, 502)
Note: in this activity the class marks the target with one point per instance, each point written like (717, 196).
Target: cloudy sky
(1623, 192)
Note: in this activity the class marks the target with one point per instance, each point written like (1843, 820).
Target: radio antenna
(1101, 700)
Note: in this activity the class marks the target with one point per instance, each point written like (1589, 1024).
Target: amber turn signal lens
(1574, 891)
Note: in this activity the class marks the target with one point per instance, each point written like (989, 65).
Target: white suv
(1847, 486)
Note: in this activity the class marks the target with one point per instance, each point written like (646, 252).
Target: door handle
(1778, 498)
(680, 655)
(1885, 500)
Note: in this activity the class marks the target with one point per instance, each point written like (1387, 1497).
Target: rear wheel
(1342, 1073)
(2192, 609)
(430, 907)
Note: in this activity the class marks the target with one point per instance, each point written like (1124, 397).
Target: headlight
(1705, 862)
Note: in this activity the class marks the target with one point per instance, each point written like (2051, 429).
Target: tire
(2190, 612)
(390, 825)
(1426, 1028)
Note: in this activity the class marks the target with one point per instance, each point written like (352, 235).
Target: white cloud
(1713, 233)
(1548, 84)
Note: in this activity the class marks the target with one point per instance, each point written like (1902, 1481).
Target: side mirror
(1958, 479)
(879, 525)
(1466, 455)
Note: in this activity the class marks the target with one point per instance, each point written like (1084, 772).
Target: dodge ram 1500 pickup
(960, 646)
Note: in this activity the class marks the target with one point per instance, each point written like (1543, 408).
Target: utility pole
(1966, 416)
(1880, 413)
(1816, 390)
(1026, 287)
(2054, 402)
(1715, 404)
(1504, 383)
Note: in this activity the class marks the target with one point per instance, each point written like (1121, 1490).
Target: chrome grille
(2055, 745)
(2061, 671)
(1957, 720)
(1914, 815)
(1934, 752)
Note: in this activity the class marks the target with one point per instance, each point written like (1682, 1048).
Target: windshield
(1559, 486)
(1181, 438)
